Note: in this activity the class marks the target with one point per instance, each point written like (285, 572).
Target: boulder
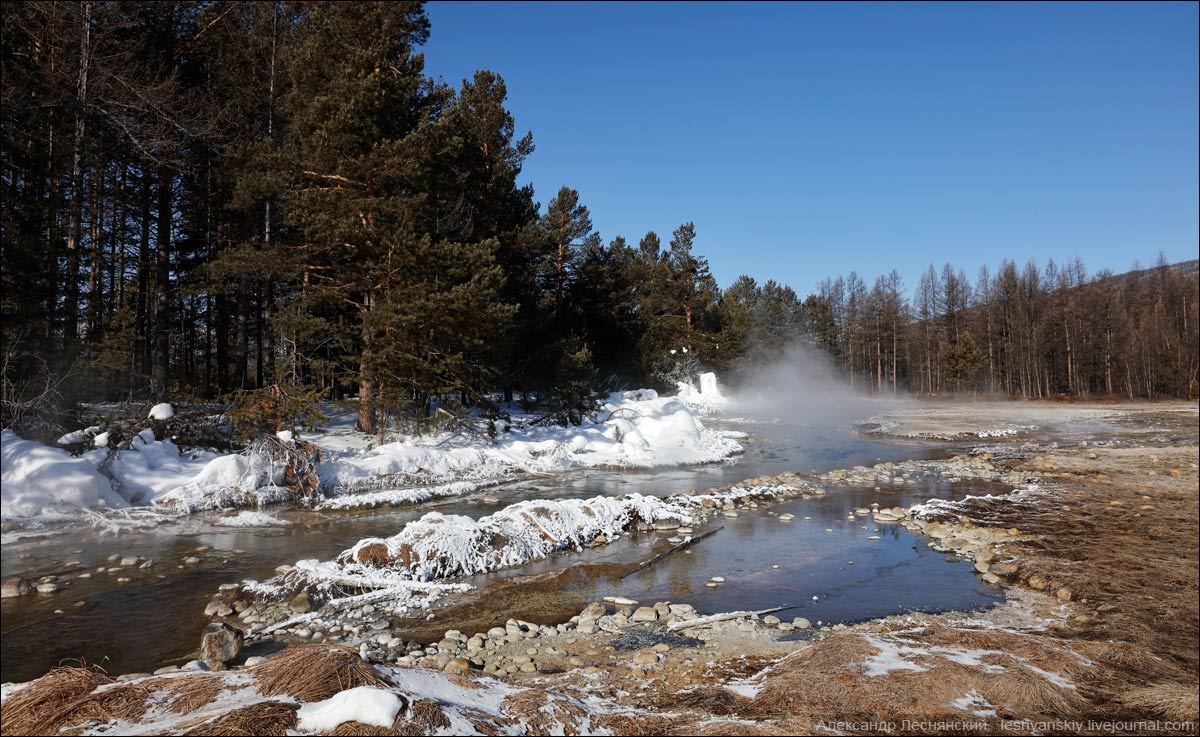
(220, 644)
(300, 603)
(645, 614)
(15, 586)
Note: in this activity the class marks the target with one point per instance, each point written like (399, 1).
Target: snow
(974, 702)
(37, 480)
(632, 429)
(78, 436)
(162, 411)
(440, 545)
(376, 707)
(708, 399)
(252, 519)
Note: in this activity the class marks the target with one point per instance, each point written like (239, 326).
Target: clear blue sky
(811, 140)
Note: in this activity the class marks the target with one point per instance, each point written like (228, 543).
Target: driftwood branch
(723, 617)
(685, 544)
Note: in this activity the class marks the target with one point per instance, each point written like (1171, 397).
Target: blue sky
(810, 140)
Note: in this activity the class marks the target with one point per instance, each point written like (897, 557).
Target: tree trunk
(75, 226)
(162, 283)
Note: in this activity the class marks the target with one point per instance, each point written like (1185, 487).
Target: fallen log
(701, 621)
(685, 544)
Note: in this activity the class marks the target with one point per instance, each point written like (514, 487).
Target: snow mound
(252, 519)
(376, 707)
(708, 399)
(37, 480)
(439, 546)
(162, 411)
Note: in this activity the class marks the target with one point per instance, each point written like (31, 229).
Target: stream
(155, 618)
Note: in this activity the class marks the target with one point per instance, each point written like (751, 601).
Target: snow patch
(376, 707)
(163, 411)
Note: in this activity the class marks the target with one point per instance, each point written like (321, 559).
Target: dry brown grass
(192, 691)
(266, 718)
(315, 672)
(541, 713)
(710, 700)
(30, 710)
(1176, 702)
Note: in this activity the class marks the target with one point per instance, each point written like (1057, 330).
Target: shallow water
(155, 619)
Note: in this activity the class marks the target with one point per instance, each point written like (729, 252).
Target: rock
(528, 668)
(201, 666)
(645, 614)
(1063, 594)
(191, 560)
(254, 660)
(586, 629)
(220, 643)
(645, 657)
(717, 579)
(380, 624)
(130, 560)
(620, 601)
(49, 587)
(801, 623)
(1003, 569)
(770, 620)
(15, 586)
(1037, 582)
(666, 524)
(982, 567)
(991, 578)
(166, 669)
(787, 516)
(457, 665)
(300, 603)
(593, 611)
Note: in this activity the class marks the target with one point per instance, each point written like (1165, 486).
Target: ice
(252, 519)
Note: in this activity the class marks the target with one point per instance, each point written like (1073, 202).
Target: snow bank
(634, 429)
(440, 546)
(376, 707)
(708, 399)
(150, 468)
(37, 480)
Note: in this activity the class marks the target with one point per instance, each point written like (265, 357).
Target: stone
(645, 657)
(254, 660)
(457, 665)
(982, 567)
(1064, 594)
(191, 560)
(645, 614)
(1037, 582)
(770, 620)
(130, 560)
(1003, 569)
(49, 587)
(15, 586)
(220, 643)
(620, 601)
(300, 603)
(801, 623)
(380, 624)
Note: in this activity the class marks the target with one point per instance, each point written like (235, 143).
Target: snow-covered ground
(633, 429)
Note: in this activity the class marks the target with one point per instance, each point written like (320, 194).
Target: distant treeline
(222, 199)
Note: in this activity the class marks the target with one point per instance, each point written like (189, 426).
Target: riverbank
(1096, 552)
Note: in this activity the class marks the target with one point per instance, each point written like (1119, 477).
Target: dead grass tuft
(1177, 702)
(315, 672)
(28, 710)
(192, 691)
(266, 718)
(1020, 691)
(711, 700)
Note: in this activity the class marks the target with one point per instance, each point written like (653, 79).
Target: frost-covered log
(438, 545)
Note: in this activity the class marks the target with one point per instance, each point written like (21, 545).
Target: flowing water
(155, 618)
